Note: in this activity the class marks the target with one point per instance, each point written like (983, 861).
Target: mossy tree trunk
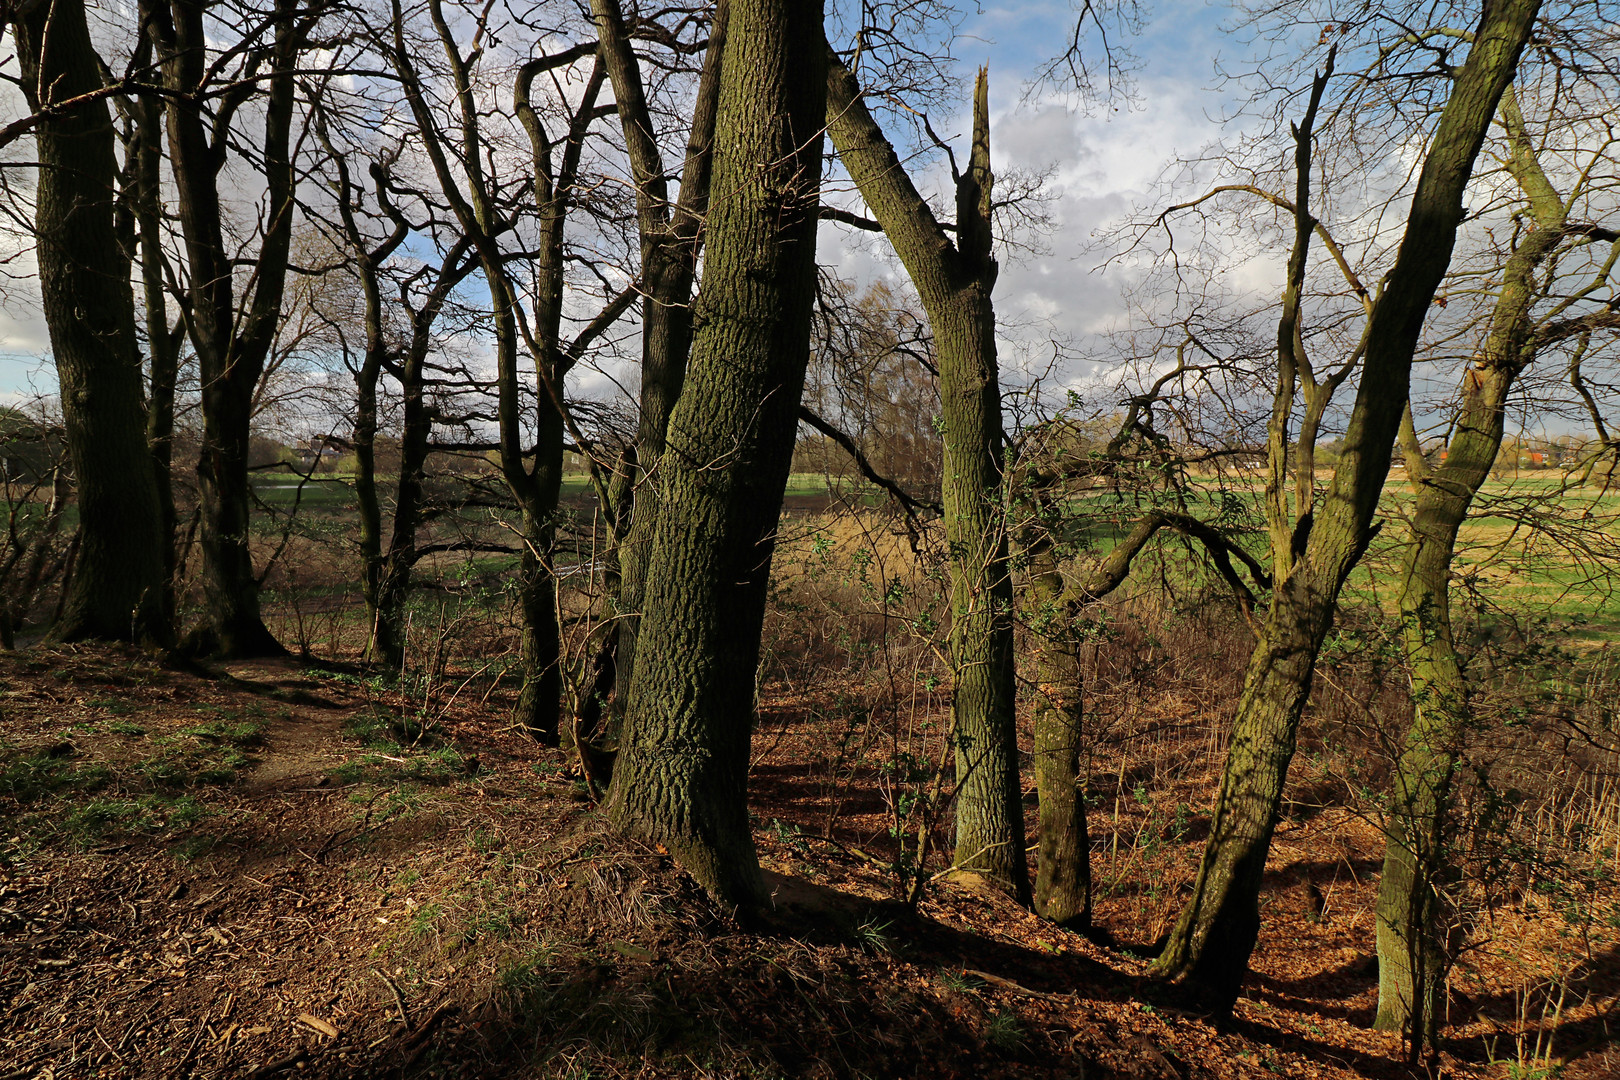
(118, 590)
(1063, 852)
(954, 282)
(1055, 604)
(682, 771)
(1415, 945)
(1209, 947)
(671, 236)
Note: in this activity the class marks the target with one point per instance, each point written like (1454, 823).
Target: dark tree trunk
(682, 772)
(670, 239)
(393, 576)
(1216, 933)
(231, 347)
(117, 592)
(163, 341)
(471, 196)
(954, 283)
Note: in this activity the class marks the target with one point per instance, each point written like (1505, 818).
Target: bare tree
(1216, 933)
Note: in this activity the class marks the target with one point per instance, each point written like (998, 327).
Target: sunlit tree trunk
(954, 282)
(682, 772)
(670, 239)
(1063, 852)
(1414, 936)
(1217, 930)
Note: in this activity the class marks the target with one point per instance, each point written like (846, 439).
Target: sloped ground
(274, 870)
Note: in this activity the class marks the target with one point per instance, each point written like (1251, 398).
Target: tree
(118, 589)
(1210, 945)
(1532, 312)
(231, 335)
(954, 282)
(671, 237)
(682, 771)
(400, 352)
(485, 209)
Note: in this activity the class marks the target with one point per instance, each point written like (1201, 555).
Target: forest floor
(272, 869)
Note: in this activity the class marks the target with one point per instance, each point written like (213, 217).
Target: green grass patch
(238, 733)
(98, 818)
(29, 776)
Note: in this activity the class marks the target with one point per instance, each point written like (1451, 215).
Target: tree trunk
(955, 283)
(1216, 933)
(1415, 945)
(669, 251)
(118, 590)
(162, 341)
(416, 430)
(231, 344)
(682, 772)
(1063, 857)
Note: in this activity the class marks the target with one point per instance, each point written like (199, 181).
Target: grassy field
(1535, 556)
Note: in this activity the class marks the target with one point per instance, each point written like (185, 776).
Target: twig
(281, 1065)
(1017, 988)
(399, 999)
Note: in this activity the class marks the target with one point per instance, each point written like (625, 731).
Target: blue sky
(1105, 162)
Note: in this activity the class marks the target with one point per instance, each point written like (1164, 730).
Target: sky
(1104, 162)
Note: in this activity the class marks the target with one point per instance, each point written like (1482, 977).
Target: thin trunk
(364, 443)
(118, 590)
(955, 283)
(1415, 945)
(416, 430)
(163, 341)
(1063, 855)
(682, 773)
(470, 194)
(376, 355)
(670, 240)
(1216, 933)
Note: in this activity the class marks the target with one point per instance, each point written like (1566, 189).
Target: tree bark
(118, 590)
(163, 341)
(682, 772)
(416, 431)
(1415, 945)
(954, 283)
(1209, 947)
(1063, 854)
(671, 237)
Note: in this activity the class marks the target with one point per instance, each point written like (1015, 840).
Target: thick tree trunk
(955, 283)
(118, 590)
(1415, 945)
(1216, 933)
(682, 772)
(670, 240)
